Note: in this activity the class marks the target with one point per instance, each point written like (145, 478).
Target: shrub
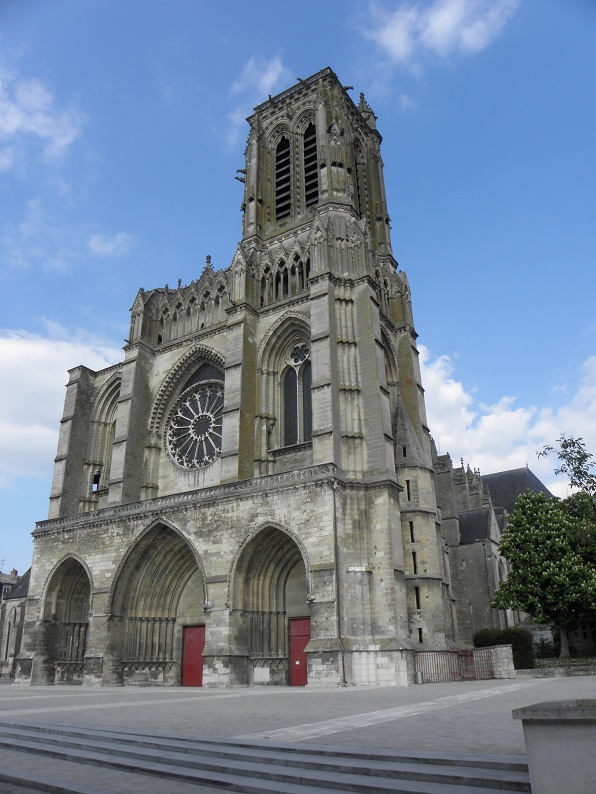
(519, 639)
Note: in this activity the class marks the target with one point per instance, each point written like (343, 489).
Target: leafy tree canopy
(576, 463)
(551, 545)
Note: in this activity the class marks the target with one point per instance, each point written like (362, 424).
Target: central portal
(270, 594)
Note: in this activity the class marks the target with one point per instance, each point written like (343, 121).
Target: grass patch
(588, 661)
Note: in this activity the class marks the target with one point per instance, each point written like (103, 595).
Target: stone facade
(12, 614)
(473, 527)
(261, 457)
(474, 510)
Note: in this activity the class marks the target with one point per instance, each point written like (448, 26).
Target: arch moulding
(157, 522)
(252, 535)
(70, 556)
(177, 373)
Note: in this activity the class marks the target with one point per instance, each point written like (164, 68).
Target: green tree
(576, 463)
(551, 545)
(553, 576)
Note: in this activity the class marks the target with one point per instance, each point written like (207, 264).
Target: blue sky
(121, 129)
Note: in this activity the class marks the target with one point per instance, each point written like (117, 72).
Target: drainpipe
(338, 628)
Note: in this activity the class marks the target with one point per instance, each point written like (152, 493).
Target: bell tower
(317, 241)
(310, 148)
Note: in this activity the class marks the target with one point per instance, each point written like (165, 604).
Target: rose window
(193, 437)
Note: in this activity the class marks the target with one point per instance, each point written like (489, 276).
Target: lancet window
(360, 179)
(311, 171)
(283, 200)
(296, 172)
(99, 452)
(297, 397)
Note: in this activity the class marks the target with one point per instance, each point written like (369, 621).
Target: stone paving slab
(464, 717)
(475, 718)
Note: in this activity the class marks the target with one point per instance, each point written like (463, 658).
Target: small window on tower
(95, 483)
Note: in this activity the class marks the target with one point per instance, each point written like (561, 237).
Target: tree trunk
(564, 654)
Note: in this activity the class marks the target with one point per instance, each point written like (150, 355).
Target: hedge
(520, 640)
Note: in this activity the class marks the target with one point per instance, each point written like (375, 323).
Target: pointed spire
(367, 112)
(208, 262)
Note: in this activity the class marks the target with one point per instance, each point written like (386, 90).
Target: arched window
(283, 202)
(311, 175)
(297, 397)
(99, 453)
(360, 179)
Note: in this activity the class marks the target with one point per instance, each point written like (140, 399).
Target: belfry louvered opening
(283, 203)
(311, 175)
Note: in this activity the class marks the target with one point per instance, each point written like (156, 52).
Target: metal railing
(443, 666)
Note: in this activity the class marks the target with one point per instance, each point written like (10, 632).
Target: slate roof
(505, 486)
(474, 525)
(20, 588)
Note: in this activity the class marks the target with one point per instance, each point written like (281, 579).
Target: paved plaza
(466, 717)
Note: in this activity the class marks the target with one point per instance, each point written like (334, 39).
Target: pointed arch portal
(66, 614)
(159, 593)
(270, 591)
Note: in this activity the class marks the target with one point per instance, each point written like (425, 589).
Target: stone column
(226, 654)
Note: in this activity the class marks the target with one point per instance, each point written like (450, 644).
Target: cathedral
(250, 496)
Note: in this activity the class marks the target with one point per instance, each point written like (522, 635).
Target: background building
(12, 614)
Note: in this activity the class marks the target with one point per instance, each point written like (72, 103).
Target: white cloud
(504, 436)
(406, 102)
(43, 239)
(34, 373)
(114, 246)
(443, 28)
(259, 78)
(40, 239)
(29, 113)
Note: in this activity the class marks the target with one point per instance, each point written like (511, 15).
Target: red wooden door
(193, 643)
(299, 637)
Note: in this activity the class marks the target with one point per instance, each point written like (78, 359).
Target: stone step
(15, 781)
(229, 747)
(254, 768)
